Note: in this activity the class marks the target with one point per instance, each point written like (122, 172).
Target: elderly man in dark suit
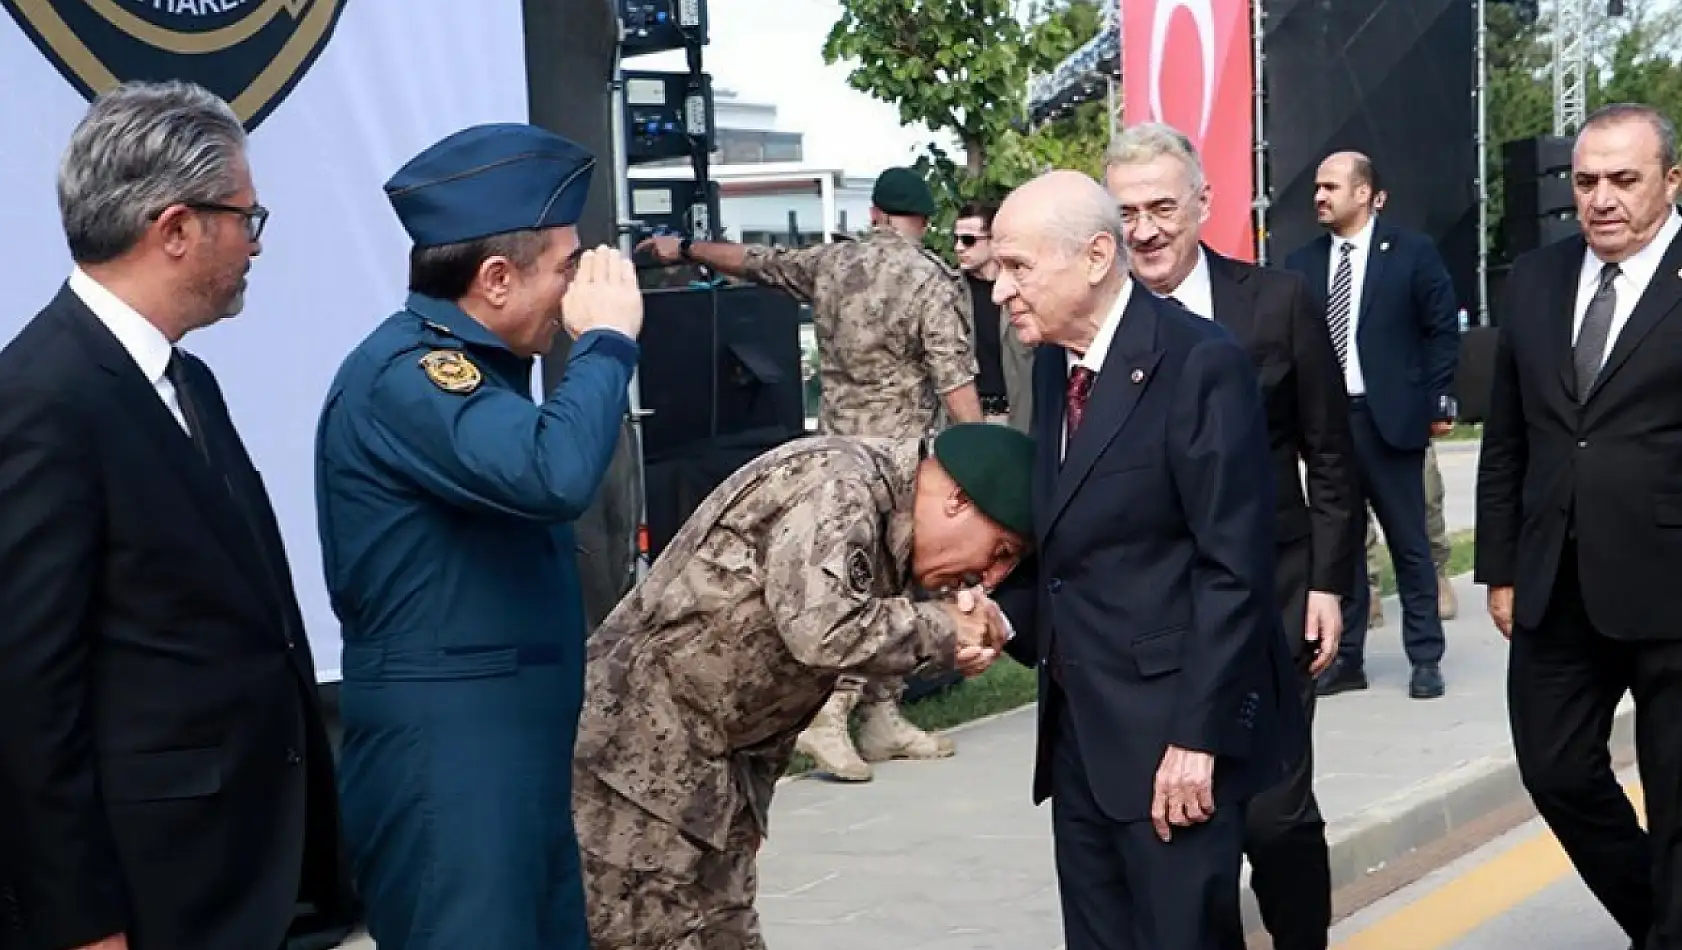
(1167, 694)
(1156, 177)
(1579, 505)
(1390, 308)
(164, 769)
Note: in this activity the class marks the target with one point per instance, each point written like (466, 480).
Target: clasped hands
(981, 630)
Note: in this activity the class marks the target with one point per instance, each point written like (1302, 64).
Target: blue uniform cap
(491, 179)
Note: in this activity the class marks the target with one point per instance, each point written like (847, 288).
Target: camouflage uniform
(792, 572)
(892, 322)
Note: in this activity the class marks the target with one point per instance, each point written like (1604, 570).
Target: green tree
(1633, 58)
(961, 68)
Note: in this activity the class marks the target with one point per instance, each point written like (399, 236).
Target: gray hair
(142, 147)
(1633, 111)
(1148, 141)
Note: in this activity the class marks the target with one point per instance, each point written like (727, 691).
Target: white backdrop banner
(338, 94)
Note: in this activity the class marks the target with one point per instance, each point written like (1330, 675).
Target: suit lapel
(134, 397)
(1377, 258)
(1562, 321)
(1663, 293)
(1128, 368)
(1233, 294)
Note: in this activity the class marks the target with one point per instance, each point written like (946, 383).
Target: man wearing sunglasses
(1005, 365)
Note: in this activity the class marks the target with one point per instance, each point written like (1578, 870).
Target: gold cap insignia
(451, 372)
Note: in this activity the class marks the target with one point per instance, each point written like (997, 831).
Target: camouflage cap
(994, 465)
(902, 191)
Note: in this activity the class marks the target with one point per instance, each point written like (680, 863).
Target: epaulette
(941, 262)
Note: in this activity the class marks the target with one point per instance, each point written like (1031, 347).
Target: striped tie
(1337, 307)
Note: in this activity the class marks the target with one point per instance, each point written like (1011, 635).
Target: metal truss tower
(1571, 26)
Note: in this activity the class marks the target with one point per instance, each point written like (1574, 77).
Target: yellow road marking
(1481, 894)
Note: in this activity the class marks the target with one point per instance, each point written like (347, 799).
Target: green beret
(903, 191)
(994, 465)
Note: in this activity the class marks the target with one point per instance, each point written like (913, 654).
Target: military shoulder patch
(451, 371)
(860, 574)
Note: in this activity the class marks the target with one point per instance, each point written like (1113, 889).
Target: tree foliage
(961, 68)
(1632, 59)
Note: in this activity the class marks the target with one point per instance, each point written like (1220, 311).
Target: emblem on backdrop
(250, 52)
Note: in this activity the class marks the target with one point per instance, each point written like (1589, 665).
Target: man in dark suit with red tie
(1580, 516)
(165, 775)
(1167, 694)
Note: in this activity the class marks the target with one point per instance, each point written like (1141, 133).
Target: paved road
(1458, 461)
(1518, 891)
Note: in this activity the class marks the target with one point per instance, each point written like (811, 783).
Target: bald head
(1065, 205)
(1059, 246)
(1344, 187)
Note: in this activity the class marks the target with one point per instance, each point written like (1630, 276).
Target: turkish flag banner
(1187, 63)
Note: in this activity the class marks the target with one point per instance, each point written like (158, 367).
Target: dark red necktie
(1080, 387)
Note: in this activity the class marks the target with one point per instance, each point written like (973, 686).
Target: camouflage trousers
(873, 689)
(1435, 524)
(650, 886)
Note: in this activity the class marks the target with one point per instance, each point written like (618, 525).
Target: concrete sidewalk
(951, 854)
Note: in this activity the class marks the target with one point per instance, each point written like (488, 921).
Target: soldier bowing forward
(796, 570)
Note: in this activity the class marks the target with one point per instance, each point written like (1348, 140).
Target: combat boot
(885, 734)
(1448, 605)
(829, 743)
(1375, 608)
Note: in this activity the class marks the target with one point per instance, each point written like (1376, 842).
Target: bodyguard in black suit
(164, 771)
(1390, 308)
(1167, 693)
(1157, 179)
(1580, 516)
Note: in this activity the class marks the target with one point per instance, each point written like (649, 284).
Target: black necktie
(176, 373)
(1587, 356)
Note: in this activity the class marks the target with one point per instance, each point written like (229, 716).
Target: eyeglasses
(1160, 212)
(969, 240)
(255, 216)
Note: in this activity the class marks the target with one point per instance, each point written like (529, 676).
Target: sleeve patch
(451, 371)
(860, 574)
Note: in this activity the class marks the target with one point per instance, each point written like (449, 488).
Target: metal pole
(1262, 203)
(1481, 177)
(623, 230)
(1115, 113)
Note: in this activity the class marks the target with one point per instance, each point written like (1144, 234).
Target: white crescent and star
(1203, 18)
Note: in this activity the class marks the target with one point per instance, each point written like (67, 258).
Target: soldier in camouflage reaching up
(896, 360)
(793, 572)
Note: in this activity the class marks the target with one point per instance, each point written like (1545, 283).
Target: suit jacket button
(1055, 585)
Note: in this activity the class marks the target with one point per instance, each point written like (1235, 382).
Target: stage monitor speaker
(1536, 157)
(719, 363)
(1539, 197)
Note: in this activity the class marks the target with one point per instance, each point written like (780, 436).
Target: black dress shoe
(1340, 677)
(1427, 682)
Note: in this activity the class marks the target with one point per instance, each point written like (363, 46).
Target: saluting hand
(603, 295)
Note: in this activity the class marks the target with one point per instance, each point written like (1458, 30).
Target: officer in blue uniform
(444, 497)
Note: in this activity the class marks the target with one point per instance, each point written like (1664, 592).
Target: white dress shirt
(145, 343)
(1362, 244)
(1632, 280)
(1196, 293)
(1093, 358)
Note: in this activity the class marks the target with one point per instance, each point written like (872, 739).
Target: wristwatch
(683, 248)
(1448, 408)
